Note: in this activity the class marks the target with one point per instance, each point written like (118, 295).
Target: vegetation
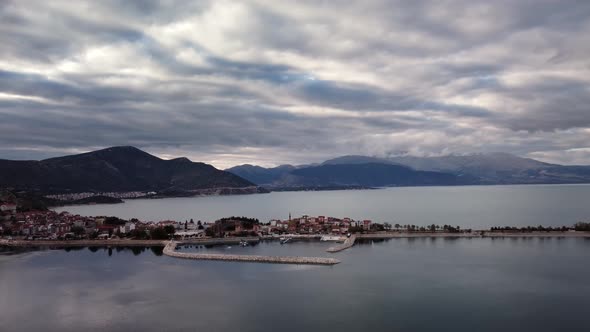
(114, 221)
(114, 169)
(78, 230)
(529, 229)
(582, 227)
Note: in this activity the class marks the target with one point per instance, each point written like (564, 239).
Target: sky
(276, 82)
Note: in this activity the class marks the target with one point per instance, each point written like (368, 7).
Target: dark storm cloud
(274, 82)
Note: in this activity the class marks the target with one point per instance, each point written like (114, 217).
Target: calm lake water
(467, 206)
(396, 285)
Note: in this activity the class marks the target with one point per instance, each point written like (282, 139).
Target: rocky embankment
(169, 250)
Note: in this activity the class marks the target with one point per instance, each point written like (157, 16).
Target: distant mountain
(334, 176)
(497, 168)
(492, 168)
(261, 175)
(117, 169)
(354, 160)
(373, 175)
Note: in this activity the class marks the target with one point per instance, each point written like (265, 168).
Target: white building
(128, 227)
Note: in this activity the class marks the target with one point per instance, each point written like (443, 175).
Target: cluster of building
(7, 206)
(121, 195)
(316, 225)
(51, 225)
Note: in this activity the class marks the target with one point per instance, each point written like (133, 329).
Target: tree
(169, 229)
(159, 233)
(77, 230)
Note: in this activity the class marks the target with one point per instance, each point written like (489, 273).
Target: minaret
(289, 216)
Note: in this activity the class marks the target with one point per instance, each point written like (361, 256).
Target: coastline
(474, 234)
(119, 243)
(235, 240)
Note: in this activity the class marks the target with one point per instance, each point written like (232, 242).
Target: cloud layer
(272, 82)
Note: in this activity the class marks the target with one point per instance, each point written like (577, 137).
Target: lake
(420, 284)
(466, 206)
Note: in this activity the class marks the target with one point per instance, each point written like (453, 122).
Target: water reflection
(429, 284)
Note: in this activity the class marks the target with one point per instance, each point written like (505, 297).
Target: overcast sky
(270, 82)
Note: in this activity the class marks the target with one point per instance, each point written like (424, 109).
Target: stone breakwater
(349, 242)
(169, 250)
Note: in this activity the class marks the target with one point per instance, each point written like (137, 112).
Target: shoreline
(287, 190)
(474, 234)
(119, 243)
(235, 240)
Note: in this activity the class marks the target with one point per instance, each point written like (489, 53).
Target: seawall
(169, 250)
(349, 242)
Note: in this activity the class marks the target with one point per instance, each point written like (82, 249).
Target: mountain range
(126, 168)
(119, 169)
(492, 168)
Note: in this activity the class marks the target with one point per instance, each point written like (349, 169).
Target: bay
(474, 207)
(423, 284)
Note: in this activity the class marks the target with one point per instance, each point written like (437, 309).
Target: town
(31, 224)
(51, 225)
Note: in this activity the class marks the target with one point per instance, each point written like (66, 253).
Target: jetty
(170, 250)
(349, 242)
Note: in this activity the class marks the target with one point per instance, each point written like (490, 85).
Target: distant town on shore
(24, 221)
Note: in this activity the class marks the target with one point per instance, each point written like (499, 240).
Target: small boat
(243, 243)
(284, 240)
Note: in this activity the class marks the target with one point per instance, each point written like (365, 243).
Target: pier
(349, 242)
(169, 250)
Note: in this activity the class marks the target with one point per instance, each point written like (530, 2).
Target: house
(8, 208)
(126, 228)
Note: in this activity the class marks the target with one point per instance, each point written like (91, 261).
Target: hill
(374, 175)
(491, 168)
(116, 169)
(261, 175)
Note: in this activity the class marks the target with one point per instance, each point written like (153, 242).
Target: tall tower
(289, 216)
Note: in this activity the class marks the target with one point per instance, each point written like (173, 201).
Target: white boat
(330, 238)
(243, 243)
(284, 240)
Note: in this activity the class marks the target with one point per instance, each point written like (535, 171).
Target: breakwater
(349, 242)
(169, 250)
